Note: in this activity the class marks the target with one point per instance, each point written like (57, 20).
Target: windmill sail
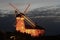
(27, 18)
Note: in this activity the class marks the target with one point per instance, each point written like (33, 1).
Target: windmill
(20, 25)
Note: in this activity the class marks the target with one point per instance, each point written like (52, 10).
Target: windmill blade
(14, 7)
(30, 21)
(26, 10)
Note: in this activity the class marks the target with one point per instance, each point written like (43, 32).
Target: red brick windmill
(20, 25)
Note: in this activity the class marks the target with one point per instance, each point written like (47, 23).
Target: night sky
(4, 4)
